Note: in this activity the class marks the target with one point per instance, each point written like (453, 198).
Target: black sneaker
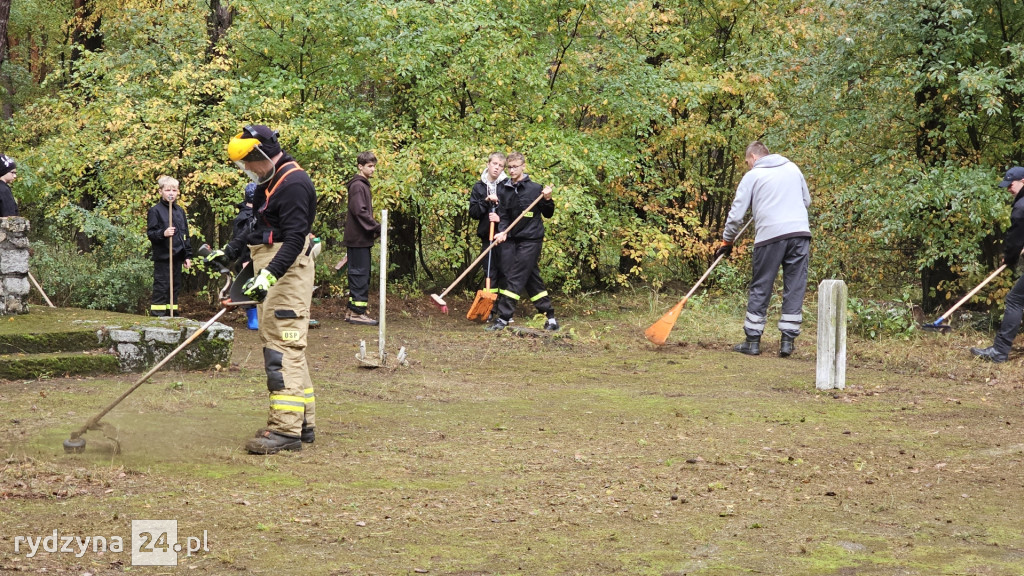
(499, 324)
(269, 442)
(362, 319)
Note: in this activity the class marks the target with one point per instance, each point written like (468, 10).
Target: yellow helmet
(240, 146)
(254, 142)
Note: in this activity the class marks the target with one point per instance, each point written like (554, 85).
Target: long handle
(488, 249)
(969, 295)
(95, 419)
(383, 304)
(490, 238)
(170, 257)
(40, 288)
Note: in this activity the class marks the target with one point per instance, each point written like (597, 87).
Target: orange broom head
(482, 305)
(659, 331)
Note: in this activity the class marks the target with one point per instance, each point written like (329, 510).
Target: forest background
(902, 114)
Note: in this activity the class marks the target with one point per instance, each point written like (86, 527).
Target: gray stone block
(14, 262)
(165, 335)
(16, 285)
(124, 335)
(130, 356)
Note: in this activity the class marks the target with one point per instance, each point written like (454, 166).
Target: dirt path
(506, 455)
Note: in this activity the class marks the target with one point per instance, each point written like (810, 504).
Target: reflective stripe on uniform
(790, 322)
(508, 294)
(754, 322)
(360, 304)
(309, 397)
(539, 296)
(287, 403)
(492, 290)
(160, 307)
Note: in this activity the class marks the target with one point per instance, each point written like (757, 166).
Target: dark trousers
(160, 302)
(519, 264)
(793, 255)
(358, 279)
(492, 266)
(1011, 318)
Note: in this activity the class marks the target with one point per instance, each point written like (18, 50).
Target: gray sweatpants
(793, 255)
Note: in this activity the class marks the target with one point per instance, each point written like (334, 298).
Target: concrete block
(831, 366)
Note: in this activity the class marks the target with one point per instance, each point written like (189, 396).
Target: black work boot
(308, 434)
(990, 354)
(270, 442)
(751, 347)
(786, 346)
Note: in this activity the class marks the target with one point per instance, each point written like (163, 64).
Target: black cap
(266, 136)
(6, 164)
(1012, 175)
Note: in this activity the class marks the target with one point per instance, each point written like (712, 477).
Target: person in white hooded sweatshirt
(775, 192)
(483, 201)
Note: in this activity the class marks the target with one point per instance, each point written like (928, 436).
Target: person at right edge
(360, 231)
(775, 192)
(522, 244)
(1013, 243)
(281, 248)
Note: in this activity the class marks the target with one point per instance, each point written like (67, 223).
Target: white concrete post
(831, 335)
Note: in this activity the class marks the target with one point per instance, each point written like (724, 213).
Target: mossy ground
(494, 454)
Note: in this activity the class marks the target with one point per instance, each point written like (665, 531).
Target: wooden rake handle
(969, 295)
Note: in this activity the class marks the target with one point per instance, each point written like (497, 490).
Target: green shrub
(874, 319)
(113, 275)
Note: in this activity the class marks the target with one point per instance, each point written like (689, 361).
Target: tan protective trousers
(284, 322)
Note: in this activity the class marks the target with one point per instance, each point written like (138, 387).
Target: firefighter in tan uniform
(279, 240)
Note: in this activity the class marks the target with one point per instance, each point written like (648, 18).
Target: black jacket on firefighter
(156, 223)
(284, 210)
(513, 199)
(1013, 242)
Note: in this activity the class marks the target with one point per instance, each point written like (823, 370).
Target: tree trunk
(5, 78)
(402, 242)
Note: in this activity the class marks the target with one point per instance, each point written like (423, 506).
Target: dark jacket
(240, 227)
(513, 199)
(285, 217)
(156, 223)
(480, 208)
(8, 206)
(360, 226)
(1013, 243)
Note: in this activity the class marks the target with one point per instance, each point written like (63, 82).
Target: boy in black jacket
(522, 244)
(1013, 243)
(360, 231)
(168, 232)
(483, 202)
